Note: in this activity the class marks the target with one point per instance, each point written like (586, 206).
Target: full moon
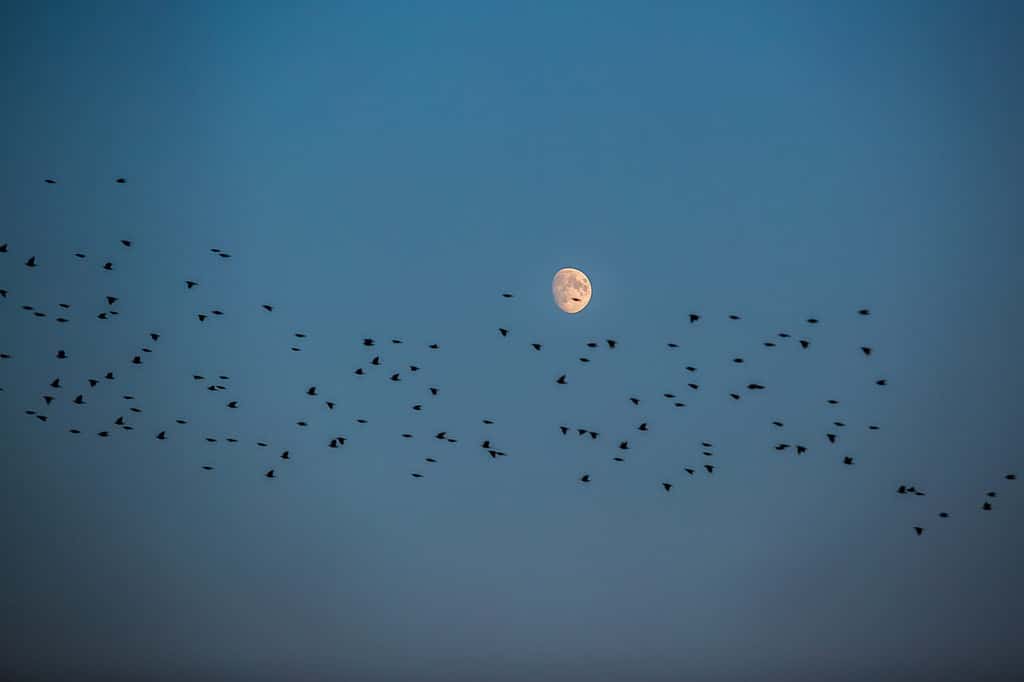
(571, 289)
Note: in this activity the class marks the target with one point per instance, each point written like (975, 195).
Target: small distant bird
(618, 459)
(50, 181)
(417, 407)
(216, 312)
(584, 359)
(670, 396)
(31, 262)
(738, 361)
(269, 474)
(375, 361)
(394, 377)
(502, 331)
(689, 470)
(302, 423)
(417, 475)
(1011, 477)
(330, 405)
(734, 317)
(560, 380)
(694, 386)
(120, 181)
(642, 427)
(990, 494)
(804, 343)
(433, 346)
(189, 284)
(624, 445)
(154, 336)
(61, 355)
(777, 423)
(434, 390)
(361, 421)
(882, 382)
(770, 344)
(863, 311)
(311, 390)
(866, 350)
(298, 335)
(55, 383)
(783, 335)
(162, 435)
(429, 459)
(103, 434)
(368, 342)
(585, 478)
(506, 295)
(359, 371)
(673, 345)
(782, 446)
(666, 486)
(690, 368)
(127, 243)
(987, 506)
(943, 515)
(536, 346)
(233, 404)
(847, 460)
(831, 437)
(812, 320)
(202, 318)
(268, 308)
(563, 429)
(137, 360)
(755, 387)
(635, 401)
(181, 421)
(591, 344)
(611, 343)
(207, 468)
(918, 529)
(488, 421)
(108, 266)
(710, 468)
(285, 455)
(694, 317)
(441, 435)
(831, 401)
(414, 368)
(47, 399)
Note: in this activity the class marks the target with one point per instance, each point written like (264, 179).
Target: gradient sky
(387, 170)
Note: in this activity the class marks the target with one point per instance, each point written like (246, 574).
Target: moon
(571, 289)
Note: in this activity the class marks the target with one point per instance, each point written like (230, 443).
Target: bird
(635, 401)
(710, 468)
(666, 486)
(154, 336)
(79, 400)
(31, 262)
(591, 344)
(61, 355)
(502, 331)
(394, 377)
(812, 320)
(777, 423)
(804, 343)
(270, 474)
(417, 407)
(415, 475)
(847, 460)
(882, 382)
(769, 344)
(189, 284)
(689, 470)
(162, 435)
(330, 405)
(368, 342)
(672, 345)
(429, 459)
(488, 421)
(207, 467)
(943, 515)
(800, 449)
(986, 506)
(233, 404)
(694, 317)
(585, 478)
(642, 427)
(506, 295)
(563, 429)
(285, 455)
(50, 181)
(108, 266)
(311, 390)
(359, 371)
(536, 346)
(560, 380)
(1011, 477)
(831, 437)
(268, 308)
(918, 529)
(55, 383)
(755, 387)
(738, 361)
(434, 390)
(866, 350)
(624, 445)
(863, 311)
(618, 459)
(433, 346)
(611, 343)
(734, 317)
(375, 361)
(3, 248)
(126, 243)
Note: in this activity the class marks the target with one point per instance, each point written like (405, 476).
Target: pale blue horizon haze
(388, 170)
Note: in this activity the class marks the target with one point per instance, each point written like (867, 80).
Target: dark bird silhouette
(434, 390)
(777, 423)
(642, 427)
(433, 346)
(207, 467)
(783, 335)
(189, 284)
(396, 341)
(618, 459)
(670, 396)
(738, 361)
(79, 400)
(672, 345)
(585, 478)
(503, 331)
(769, 344)
(591, 344)
(361, 421)
(3, 248)
(1011, 477)
(564, 429)
(755, 387)
(417, 407)
(330, 405)
(108, 266)
(734, 317)
(560, 380)
(986, 506)
(488, 421)
(55, 383)
(506, 295)
(812, 320)
(831, 401)
(536, 346)
(285, 455)
(689, 470)
(624, 445)
(847, 460)
(584, 359)
(50, 181)
(690, 368)
(581, 432)
(311, 390)
(233, 404)
(121, 181)
(268, 308)
(710, 468)
(202, 318)
(414, 368)
(368, 342)
(804, 343)
(137, 360)
(162, 435)
(31, 262)
(126, 242)
(831, 437)
(781, 446)
(611, 343)
(666, 486)
(417, 475)
(61, 355)
(694, 386)
(943, 515)
(394, 377)
(103, 434)
(882, 382)
(990, 494)
(863, 311)
(47, 399)
(635, 401)
(918, 529)
(359, 371)
(429, 459)
(375, 361)
(154, 336)
(270, 474)
(866, 350)
(694, 317)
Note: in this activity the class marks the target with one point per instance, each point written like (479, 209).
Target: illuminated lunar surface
(571, 289)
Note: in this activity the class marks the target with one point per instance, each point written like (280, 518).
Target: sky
(387, 170)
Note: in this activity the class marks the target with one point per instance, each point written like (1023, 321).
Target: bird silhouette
(666, 486)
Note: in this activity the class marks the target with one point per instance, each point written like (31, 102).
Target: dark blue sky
(388, 171)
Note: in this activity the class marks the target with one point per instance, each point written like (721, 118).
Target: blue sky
(388, 170)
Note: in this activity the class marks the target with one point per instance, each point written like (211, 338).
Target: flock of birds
(81, 397)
